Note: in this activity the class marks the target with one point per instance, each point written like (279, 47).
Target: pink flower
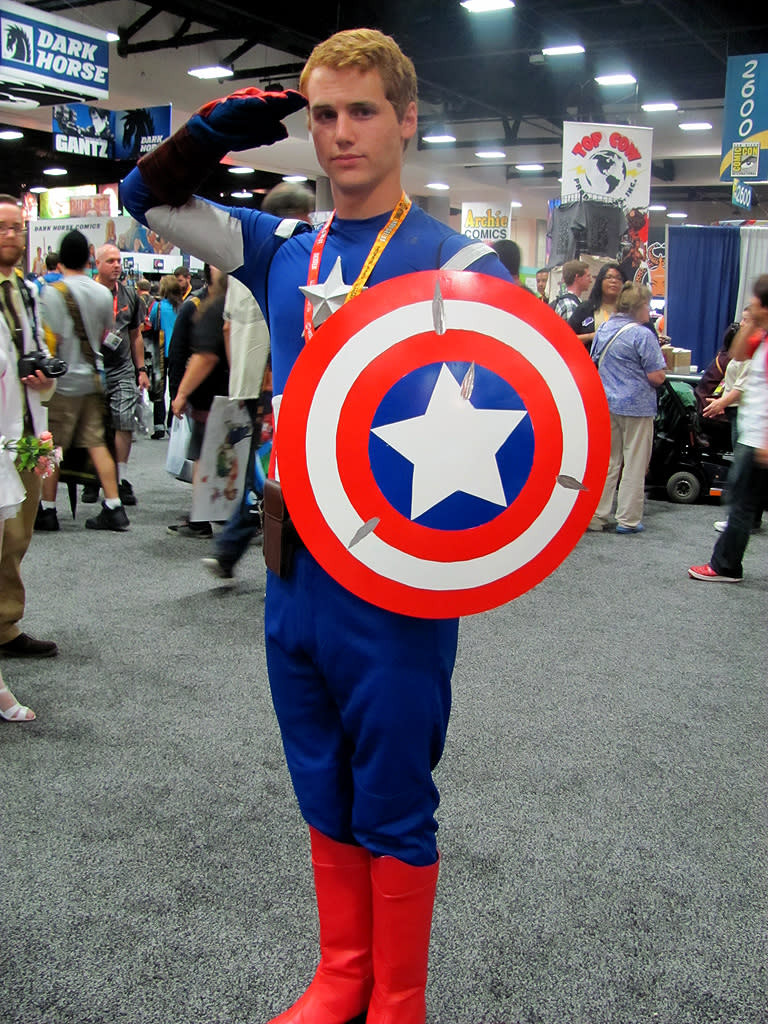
(46, 436)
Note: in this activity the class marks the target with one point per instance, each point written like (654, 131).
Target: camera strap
(77, 322)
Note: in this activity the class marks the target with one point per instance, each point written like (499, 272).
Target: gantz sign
(38, 48)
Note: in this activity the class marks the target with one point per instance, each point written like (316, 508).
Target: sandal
(16, 712)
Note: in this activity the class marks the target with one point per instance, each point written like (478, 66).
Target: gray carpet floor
(603, 816)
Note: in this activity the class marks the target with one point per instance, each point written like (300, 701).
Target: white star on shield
(327, 297)
(452, 446)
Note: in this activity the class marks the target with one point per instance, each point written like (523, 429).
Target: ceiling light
(529, 167)
(9, 134)
(515, 204)
(113, 37)
(483, 6)
(657, 108)
(213, 71)
(296, 178)
(657, 208)
(243, 194)
(438, 186)
(491, 154)
(678, 215)
(695, 126)
(621, 79)
(38, 188)
(562, 51)
(237, 169)
(54, 171)
(438, 135)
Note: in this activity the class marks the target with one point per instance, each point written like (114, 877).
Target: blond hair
(367, 49)
(632, 297)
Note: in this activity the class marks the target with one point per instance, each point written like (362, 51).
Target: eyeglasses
(614, 277)
(11, 229)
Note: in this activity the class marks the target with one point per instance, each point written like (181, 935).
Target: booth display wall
(702, 279)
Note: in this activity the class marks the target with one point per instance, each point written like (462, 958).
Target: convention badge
(443, 443)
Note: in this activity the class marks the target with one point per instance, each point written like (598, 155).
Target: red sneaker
(706, 572)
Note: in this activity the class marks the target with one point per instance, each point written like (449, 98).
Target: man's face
(183, 282)
(541, 281)
(759, 312)
(11, 234)
(358, 138)
(109, 267)
(582, 282)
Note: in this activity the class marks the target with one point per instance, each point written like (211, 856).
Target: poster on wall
(608, 162)
(150, 252)
(744, 151)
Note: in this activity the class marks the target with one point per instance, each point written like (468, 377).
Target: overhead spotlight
(657, 208)
(211, 71)
(10, 134)
(515, 204)
(658, 108)
(37, 189)
(238, 169)
(438, 186)
(113, 37)
(242, 194)
(677, 215)
(695, 126)
(484, 6)
(623, 78)
(529, 167)
(562, 51)
(490, 154)
(54, 172)
(295, 178)
(438, 134)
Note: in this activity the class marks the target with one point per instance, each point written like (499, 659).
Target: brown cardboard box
(678, 360)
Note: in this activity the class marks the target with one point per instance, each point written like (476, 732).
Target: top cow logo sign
(607, 162)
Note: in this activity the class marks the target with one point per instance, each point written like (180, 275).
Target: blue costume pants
(362, 698)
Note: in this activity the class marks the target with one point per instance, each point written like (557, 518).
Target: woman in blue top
(631, 366)
(162, 318)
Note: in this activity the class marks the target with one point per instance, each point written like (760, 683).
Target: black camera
(48, 365)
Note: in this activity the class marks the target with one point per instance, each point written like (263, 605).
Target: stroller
(691, 456)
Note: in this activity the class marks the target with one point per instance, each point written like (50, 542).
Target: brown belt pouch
(280, 537)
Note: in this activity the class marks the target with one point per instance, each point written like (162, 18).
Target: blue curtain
(702, 268)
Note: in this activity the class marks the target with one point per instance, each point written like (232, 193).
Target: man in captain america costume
(362, 695)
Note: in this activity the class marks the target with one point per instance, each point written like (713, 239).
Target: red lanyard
(397, 217)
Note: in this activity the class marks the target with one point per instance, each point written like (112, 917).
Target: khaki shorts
(77, 421)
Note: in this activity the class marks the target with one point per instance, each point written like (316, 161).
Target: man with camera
(78, 312)
(19, 309)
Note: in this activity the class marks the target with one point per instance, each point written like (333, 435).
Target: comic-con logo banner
(442, 443)
(744, 154)
(607, 161)
(39, 48)
(109, 134)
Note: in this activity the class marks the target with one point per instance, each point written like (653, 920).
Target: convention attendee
(577, 279)
(11, 489)
(748, 477)
(52, 269)
(206, 375)
(710, 384)
(601, 304)
(184, 276)
(542, 280)
(509, 254)
(247, 339)
(631, 366)
(18, 304)
(362, 695)
(162, 319)
(78, 312)
(123, 351)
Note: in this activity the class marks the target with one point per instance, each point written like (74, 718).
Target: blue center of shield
(458, 509)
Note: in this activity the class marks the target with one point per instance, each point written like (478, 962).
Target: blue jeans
(245, 521)
(747, 495)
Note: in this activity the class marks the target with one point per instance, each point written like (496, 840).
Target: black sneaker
(218, 568)
(158, 435)
(109, 519)
(90, 494)
(46, 519)
(201, 531)
(125, 491)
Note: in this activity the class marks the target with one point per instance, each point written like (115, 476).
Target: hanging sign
(607, 162)
(39, 48)
(484, 222)
(109, 134)
(744, 151)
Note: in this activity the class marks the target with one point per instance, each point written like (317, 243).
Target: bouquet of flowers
(35, 453)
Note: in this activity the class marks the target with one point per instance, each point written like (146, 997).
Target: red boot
(342, 984)
(403, 897)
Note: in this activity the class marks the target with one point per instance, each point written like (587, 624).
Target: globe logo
(605, 172)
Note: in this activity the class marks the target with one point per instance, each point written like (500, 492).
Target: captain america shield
(443, 443)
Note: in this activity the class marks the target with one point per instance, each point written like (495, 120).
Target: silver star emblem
(328, 297)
